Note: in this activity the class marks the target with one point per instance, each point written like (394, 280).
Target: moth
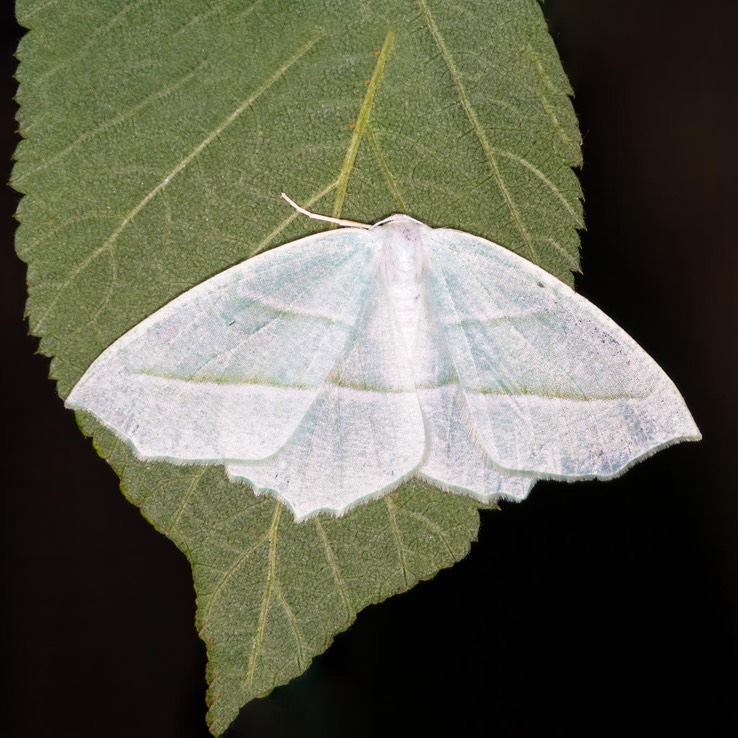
(331, 369)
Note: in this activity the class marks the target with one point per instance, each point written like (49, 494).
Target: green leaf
(157, 137)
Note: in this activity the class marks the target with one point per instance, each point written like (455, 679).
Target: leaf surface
(157, 137)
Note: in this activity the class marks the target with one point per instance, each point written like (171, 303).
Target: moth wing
(363, 435)
(552, 385)
(228, 370)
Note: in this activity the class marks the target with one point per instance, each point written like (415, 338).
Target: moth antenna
(327, 218)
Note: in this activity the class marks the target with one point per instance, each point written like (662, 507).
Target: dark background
(591, 608)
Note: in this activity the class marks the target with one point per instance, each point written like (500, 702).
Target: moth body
(403, 257)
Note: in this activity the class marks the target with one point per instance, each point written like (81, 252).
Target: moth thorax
(402, 263)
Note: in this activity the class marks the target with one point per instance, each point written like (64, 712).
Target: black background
(591, 608)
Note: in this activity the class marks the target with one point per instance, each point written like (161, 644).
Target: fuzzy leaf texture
(156, 140)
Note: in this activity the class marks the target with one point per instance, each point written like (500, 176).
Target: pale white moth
(331, 369)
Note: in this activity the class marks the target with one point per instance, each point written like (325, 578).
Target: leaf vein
(34, 11)
(92, 40)
(192, 488)
(292, 620)
(433, 526)
(108, 124)
(573, 261)
(388, 501)
(270, 584)
(333, 563)
(384, 167)
(548, 108)
(488, 150)
(231, 571)
(361, 123)
(538, 173)
(108, 244)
